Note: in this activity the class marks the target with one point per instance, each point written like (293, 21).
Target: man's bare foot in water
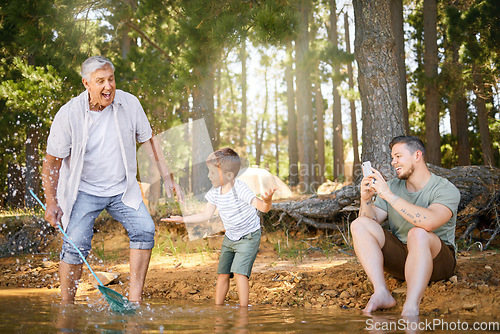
(380, 300)
(410, 311)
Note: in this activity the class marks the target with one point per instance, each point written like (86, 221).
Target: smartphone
(367, 168)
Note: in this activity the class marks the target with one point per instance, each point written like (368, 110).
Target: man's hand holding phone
(373, 182)
(367, 191)
(367, 169)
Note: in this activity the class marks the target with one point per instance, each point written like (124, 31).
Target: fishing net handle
(68, 238)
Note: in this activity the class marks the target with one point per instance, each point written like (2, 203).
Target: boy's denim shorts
(138, 223)
(238, 256)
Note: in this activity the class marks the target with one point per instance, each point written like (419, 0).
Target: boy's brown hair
(226, 159)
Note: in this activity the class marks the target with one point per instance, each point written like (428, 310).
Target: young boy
(237, 206)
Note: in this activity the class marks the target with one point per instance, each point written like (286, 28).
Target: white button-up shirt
(68, 139)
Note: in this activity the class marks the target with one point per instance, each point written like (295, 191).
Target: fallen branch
(478, 185)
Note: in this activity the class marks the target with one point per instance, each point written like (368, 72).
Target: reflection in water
(239, 325)
(42, 313)
(23, 312)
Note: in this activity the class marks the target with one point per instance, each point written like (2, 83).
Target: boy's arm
(266, 202)
(196, 218)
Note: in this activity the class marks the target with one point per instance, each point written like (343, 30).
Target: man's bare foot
(380, 300)
(410, 311)
(67, 302)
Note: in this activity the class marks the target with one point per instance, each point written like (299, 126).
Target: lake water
(30, 311)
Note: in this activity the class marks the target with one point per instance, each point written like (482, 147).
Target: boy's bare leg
(139, 263)
(423, 246)
(69, 274)
(221, 288)
(243, 289)
(369, 238)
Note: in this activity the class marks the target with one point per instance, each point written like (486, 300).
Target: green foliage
(470, 30)
(164, 49)
(334, 56)
(291, 250)
(35, 94)
(165, 245)
(481, 26)
(104, 255)
(31, 100)
(274, 22)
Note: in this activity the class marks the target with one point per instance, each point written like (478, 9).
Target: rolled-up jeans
(138, 223)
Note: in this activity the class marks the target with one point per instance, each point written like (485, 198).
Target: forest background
(302, 88)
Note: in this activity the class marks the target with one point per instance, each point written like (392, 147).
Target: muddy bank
(293, 271)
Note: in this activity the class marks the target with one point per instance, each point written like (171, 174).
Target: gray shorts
(238, 256)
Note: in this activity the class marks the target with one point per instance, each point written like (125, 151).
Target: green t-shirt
(437, 190)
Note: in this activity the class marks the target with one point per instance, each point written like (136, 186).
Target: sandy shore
(187, 270)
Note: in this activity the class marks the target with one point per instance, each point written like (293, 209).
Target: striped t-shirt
(237, 214)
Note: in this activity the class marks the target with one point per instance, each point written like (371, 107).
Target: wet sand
(183, 270)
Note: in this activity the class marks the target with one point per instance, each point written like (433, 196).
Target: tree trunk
(455, 69)
(32, 165)
(258, 143)
(458, 109)
(304, 104)
(399, 37)
(203, 107)
(259, 130)
(277, 127)
(482, 117)
(338, 140)
(243, 125)
(185, 176)
(32, 158)
(433, 138)
(293, 163)
(490, 100)
(463, 144)
(218, 111)
(16, 185)
(378, 82)
(320, 132)
(126, 42)
(356, 168)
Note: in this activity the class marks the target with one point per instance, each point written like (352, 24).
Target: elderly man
(90, 166)
(421, 208)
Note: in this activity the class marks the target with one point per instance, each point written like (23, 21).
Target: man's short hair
(226, 159)
(413, 143)
(94, 63)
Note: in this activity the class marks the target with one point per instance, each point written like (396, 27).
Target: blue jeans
(138, 223)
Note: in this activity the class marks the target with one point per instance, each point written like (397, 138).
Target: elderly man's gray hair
(94, 63)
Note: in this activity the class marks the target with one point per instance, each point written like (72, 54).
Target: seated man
(421, 208)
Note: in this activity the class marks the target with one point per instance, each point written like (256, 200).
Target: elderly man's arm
(50, 178)
(155, 153)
